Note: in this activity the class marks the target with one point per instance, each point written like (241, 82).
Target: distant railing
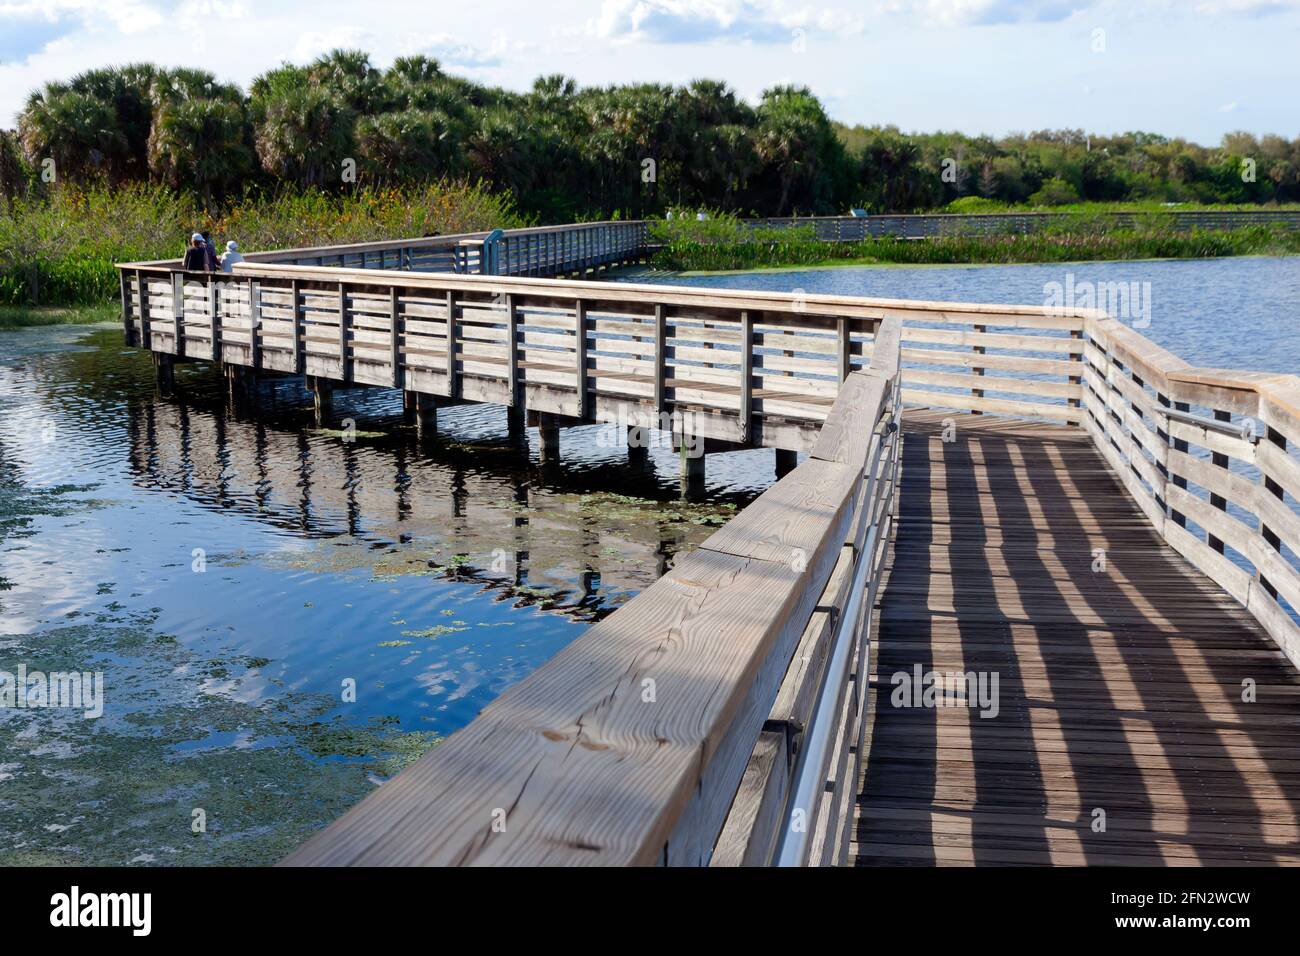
(535, 251)
(930, 225)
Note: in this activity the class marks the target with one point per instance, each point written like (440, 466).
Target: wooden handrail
(599, 351)
(1166, 427)
(448, 241)
(628, 747)
(1028, 358)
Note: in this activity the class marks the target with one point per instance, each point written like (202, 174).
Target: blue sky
(1192, 68)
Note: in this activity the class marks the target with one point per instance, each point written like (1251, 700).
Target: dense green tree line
(566, 153)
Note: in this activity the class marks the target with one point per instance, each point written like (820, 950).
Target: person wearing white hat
(196, 256)
(231, 256)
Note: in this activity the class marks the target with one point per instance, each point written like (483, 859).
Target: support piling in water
(786, 462)
(164, 368)
(638, 445)
(322, 391)
(548, 429)
(691, 455)
(424, 409)
(241, 385)
(516, 428)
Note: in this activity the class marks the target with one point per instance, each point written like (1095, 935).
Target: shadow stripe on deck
(1120, 690)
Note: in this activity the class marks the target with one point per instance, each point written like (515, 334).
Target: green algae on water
(177, 738)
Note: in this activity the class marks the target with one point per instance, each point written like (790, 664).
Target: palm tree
(414, 69)
(76, 130)
(410, 145)
(499, 150)
(201, 143)
(127, 91)
(795, 140)
(304, 136)
(348, 75)
(170, 86)
(13, 177)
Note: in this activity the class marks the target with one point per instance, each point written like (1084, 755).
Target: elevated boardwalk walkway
(1120, 667)
(1108, 532)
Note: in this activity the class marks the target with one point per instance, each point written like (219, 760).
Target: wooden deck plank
(1120, 689)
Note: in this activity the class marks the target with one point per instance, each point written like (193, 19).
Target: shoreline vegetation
(60, 250)
(28, 316)
(123, 163)
(724, 244)
(57, 256)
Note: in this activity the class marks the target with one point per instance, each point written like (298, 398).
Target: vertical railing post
(1218, 501)
(452, 390)
(1118, 367)
(254, 324)
(343, 333)
(660, 360)
(1163, 467)
(178, 313)
(1271, 537)
(580, 355)
(844, 350)
(146, 332)
(395, 341)
(214, 309)
(295, 318)
(747, 377)
(512, 351)
(1076, 379)
(977, 369)
(1180, 444)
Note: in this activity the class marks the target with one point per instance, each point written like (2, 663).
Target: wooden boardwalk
(1120, 688)
(1119, 552)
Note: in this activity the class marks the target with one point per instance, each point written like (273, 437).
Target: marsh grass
(24, 316)
(61, 249)
(725, 245)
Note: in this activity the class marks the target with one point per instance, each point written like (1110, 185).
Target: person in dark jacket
(214, 264)
(196, 256)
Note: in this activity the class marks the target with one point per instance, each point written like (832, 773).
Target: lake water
(228, 574)
(233, 575)
(1225, 313)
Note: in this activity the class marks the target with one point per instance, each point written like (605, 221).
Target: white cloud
(702, 21)
(197, 12)
(955, 13)
(128, 16)
(1246, 7)
(962, 12)
(454, 52)
(314, 43)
